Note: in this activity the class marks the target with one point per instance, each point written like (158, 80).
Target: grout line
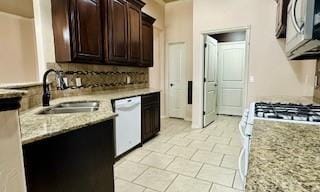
(171, 182)
(222, 160)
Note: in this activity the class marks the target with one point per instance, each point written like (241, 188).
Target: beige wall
(17, 49)
(273, 73)
(44, 34)
(178, 22)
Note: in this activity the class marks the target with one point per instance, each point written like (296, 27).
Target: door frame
(167, 80)
(247, 29)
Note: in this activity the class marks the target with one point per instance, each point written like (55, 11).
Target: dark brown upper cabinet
(124, 32)
(77, 30)
(281, 25)
(102, 31)
(147, 40)
(116, 32)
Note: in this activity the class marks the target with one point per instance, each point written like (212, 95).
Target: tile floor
(181, 159)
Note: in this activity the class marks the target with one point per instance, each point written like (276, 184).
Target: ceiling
(22, 8)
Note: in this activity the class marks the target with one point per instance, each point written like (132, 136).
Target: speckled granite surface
(6, 94)
(36, 127)
(284, 157)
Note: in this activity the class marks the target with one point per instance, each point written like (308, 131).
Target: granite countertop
(7, 94)
(36, 127)
(284, 157)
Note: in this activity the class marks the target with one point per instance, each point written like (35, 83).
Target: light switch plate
(251, 79)
(65, 79)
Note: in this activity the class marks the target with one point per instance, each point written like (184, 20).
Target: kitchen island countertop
(284, 157)
(35, 127)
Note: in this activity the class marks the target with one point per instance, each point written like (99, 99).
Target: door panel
(134, 34)
(210, 75)
(231, 81)
(88, 36)
(177, 80)
(117, 27)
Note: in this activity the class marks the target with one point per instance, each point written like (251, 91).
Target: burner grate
(289, 111)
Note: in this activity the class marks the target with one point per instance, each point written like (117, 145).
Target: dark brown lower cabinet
(150, 115)
(77, 161)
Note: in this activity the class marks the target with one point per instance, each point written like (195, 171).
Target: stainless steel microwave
(303, 29)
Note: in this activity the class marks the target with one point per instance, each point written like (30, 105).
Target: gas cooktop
(289, 111)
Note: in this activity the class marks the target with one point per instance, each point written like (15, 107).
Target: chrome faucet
(46, 91)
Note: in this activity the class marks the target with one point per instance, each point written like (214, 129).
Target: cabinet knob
(171, 84)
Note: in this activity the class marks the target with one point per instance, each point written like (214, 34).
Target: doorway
(225, 74)
(177, 80)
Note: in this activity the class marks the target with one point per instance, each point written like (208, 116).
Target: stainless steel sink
(72, 107)
(78, 104)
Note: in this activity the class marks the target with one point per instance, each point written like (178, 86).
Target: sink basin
(78, 104)
(72, 107)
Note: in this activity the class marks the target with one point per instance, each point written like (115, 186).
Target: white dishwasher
(128, 124)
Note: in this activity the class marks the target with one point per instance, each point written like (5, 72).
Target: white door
(210, 81)
(231, 83)
(177, 80)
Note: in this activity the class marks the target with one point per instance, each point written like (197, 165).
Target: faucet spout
(46, 91)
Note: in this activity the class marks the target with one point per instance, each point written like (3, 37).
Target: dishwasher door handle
(127, 106)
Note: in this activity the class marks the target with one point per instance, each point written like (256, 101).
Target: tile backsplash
(94, 78)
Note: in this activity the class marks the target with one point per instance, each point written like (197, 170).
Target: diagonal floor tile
(157, 160)
(217, 175)
(202, 145)
(158, 147)
(197, 136)
(137, 155)
(180, 141)
(129, 170)
(185, 167)
(230, 161)
(124, 186)
(221, 140)
(208, 157)
(183, 152)
(188, 184)
(221, 188)
(156, 179)
(227, 149)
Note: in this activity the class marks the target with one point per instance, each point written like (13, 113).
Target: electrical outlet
(251, 79)
(78, 82)
(128, 79)
(65, 79)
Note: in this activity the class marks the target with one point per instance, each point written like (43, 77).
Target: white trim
(197, 113)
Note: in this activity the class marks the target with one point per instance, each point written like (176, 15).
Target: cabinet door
(147, 40)
(134, 34)
(86, 32)
(147, 44)
(148, 114)
(117, 32)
